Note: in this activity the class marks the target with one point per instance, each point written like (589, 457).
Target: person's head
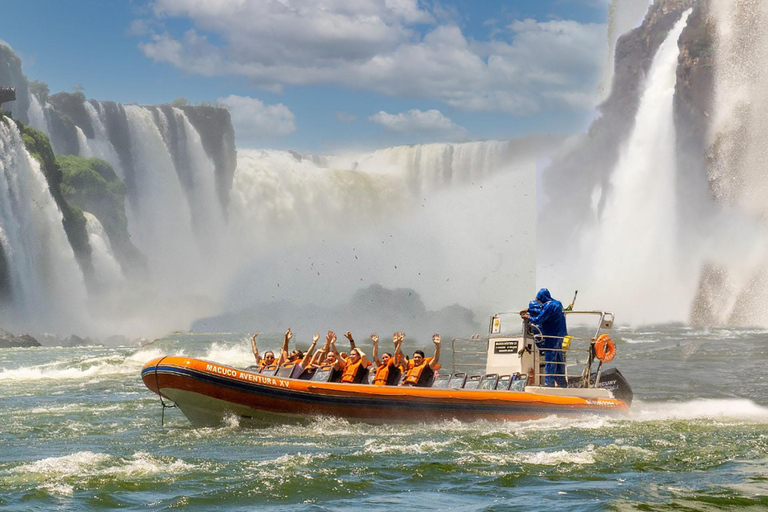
(269, 357)
(543, 296)
(295, 355)
(354, 355)
(330, 358)
(418, 357)
(385, 358)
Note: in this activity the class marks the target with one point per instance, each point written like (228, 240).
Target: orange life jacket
(419, 375)
(353, 372)
(382, 373)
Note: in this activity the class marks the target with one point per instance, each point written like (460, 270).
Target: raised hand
(436, 339)
(288, 334)
(315, 337)
(375, 338)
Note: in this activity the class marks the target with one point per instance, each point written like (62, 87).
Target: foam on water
(82, 368)
(736, 410)
(555, 458)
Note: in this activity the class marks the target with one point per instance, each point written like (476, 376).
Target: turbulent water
(79, 431)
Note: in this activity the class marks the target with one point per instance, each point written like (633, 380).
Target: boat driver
(421, 370)
(550, 319)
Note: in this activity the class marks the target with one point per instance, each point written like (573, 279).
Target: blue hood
(543, 296)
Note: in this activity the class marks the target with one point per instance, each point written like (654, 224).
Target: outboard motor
(612, 380)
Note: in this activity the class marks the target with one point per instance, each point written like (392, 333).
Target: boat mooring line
(162, 402)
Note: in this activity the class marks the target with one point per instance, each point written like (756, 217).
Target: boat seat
(489, 381)
(473, 382)
(323, 374)
(442, 380)
(285, 371)
(269, 370)
(392, 380)
(503, 383)
(457, 380)
(253, 368)
(307, 374)
(518, 383)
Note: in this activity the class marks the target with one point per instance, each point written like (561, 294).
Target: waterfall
(159, 215)
(320, 228)
(634, 254)
(47, 288)
(36, 115)
(106, 269)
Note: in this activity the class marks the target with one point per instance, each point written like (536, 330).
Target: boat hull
(207, 393)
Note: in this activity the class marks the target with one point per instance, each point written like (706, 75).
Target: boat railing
(471, 354)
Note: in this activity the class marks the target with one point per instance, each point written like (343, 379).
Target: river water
(79, 431)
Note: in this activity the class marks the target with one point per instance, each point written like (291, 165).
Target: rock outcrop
(8, 340)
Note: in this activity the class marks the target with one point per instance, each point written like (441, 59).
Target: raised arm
(255, 348)
(398, 338)
(340, 363)
(348, 335)
(375, 338)
(436, 358)
(308, 355)
(284, 350)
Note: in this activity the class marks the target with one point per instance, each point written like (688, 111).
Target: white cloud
(395, 47)
(416, 122)
(254, 121)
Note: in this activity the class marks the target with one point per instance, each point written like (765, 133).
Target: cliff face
(12, 76)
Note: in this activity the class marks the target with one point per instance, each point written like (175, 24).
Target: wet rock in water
(8, 340)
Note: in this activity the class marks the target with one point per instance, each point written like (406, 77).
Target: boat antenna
(570, 306)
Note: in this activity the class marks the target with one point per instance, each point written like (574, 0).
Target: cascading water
(158, 210)
(47, 288)
(634, 255)
(107, 270)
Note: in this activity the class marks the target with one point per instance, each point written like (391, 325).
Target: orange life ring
(605, 350)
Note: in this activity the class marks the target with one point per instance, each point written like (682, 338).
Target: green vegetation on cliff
(92, 185)
(39, 147)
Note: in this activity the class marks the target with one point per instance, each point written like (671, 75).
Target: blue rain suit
(549, 317)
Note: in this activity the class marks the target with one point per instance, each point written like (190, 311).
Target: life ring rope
(605, 349)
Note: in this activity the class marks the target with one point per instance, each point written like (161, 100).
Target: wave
(728, 409)
(81, 368)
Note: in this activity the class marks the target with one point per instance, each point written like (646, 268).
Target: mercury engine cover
(612, 380)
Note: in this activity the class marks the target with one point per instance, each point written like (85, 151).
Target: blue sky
(324, 76)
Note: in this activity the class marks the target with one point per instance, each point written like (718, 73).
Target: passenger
(421, 370)
(353, 366)
(296, 356)
(550, 319)
(388, 363)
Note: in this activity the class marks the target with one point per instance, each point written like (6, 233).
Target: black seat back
(518, 383)
(473, 382)
(442, 380)
(457, 380)
(489, 381)
(285, 370)
(269, 370)
(323, 374)
(395, 374)
(307, 374)
(503, 383)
